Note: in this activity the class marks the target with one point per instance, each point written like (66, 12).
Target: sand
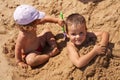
(101, 15)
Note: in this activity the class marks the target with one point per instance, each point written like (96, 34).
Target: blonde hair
(27, 27)
(75, 19)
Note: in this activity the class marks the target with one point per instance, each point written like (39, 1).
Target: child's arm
(18, 53)
(52, 20)
(80, 61)
(104, 38)
(77, 60)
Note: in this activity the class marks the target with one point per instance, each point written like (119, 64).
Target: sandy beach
(101, 15)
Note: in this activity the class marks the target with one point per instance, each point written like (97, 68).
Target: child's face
(77, 34)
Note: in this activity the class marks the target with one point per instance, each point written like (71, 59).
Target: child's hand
(99, 49)
(54, 52)
(61, 22)
(23, 65)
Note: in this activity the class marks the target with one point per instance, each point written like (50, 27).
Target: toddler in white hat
(30, 46)
(25, 14)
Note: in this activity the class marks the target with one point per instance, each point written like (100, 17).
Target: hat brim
(41, 15)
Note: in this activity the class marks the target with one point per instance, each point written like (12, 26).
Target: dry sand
(101, 15)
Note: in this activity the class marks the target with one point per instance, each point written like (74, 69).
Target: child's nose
(77, 36)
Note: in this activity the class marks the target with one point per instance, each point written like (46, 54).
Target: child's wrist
(101, 45)
(94, 52)
(49, 55)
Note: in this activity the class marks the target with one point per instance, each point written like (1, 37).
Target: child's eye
(81, 33)
(73, 34)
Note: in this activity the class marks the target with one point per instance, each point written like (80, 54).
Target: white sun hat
(25, 14)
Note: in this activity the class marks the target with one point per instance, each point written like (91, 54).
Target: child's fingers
(23, 65)
(104, 48)
(61, 22)
(54, 52)
(102, 52)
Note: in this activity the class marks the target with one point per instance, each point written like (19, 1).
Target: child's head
(24, 15)
(76, 28)
(29, 27)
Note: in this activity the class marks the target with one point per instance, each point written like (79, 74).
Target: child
(77, 34)
(29, 45)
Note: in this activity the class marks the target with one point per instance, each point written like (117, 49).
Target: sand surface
(101, 15)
